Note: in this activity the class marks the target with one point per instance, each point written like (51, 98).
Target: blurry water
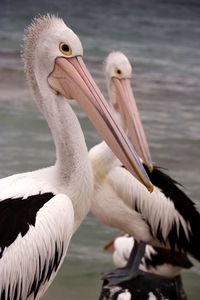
(162, 40)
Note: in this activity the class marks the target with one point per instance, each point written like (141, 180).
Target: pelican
(166, 217)
(156, 260)
(40, 210)
(160, 277)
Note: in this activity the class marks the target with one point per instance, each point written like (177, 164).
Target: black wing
(28, 241)
(185, 206)
(16, 216)
(165, 256)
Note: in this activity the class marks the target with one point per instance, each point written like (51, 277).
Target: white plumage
(124, 296)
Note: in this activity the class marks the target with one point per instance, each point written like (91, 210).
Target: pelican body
(160, 277)
(156, 260)
(41, 210)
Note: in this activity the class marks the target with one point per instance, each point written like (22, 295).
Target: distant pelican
(156, 260)
(160, 277)
(40, 210)
(165, 218)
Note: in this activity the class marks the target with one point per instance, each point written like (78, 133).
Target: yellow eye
(65, 49)
(118, 72)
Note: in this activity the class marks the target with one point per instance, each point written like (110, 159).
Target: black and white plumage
(156, 260)
(186, 208)
(166, 217)
(122, 202)
(159, 277)
(40, 210)
(34, 239)
(146, 287)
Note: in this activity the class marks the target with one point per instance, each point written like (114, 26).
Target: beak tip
(151, 188)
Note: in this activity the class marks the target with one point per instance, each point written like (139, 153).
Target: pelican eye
(65, 49)
(118, 72)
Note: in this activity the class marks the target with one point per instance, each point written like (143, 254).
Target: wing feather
(29, 264)
(158, 210)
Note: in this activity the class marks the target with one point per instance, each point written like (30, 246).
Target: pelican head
(118, 72)
(53, 62)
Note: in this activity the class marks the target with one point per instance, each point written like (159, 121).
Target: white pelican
(156, 260)
(160, 277)
(40, 210)
(165, 218)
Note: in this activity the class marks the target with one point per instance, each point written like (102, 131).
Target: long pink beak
(128, 109)
(71, 78)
